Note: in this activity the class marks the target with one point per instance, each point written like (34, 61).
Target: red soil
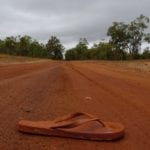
(45, 90)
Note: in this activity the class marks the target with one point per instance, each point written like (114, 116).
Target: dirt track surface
(45, 90)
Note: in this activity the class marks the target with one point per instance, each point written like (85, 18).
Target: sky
(69, 20)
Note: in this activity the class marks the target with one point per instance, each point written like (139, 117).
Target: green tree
(10, 45)
(37, 50)
(146, 53)
(101, 51)
(82, 45)
(79, 52)
(24, 45)
(119, 38)
(81, 49)
(71, 54)
(55, 48)
(136, 34)
(2, 46)
(128, 37)
(147, 38)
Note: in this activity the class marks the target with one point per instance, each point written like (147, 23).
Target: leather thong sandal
(77, 125)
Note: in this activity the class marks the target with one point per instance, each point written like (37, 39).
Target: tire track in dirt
(60, 88)
(15, 70)
(22, 98)
(130, 111)
(119, 88)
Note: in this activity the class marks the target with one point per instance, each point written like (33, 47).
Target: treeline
(103, 51)
(26, 46)
(125, 43)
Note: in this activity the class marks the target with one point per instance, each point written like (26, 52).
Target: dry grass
(129, 65)
(7, 59)
(138, 65)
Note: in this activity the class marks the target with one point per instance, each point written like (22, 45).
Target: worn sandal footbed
(78, 125)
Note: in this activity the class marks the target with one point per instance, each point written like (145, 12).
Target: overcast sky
(67, 19)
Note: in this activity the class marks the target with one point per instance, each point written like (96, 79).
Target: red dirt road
(45, 90)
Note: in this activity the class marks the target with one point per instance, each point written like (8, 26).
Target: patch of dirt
(45, 90)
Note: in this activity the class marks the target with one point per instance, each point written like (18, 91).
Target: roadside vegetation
(125, 43)
(26, 46)
(125, 40)
(6, 59)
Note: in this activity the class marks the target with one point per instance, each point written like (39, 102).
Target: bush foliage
(26, 46)
(125, 40)
(125, 43)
